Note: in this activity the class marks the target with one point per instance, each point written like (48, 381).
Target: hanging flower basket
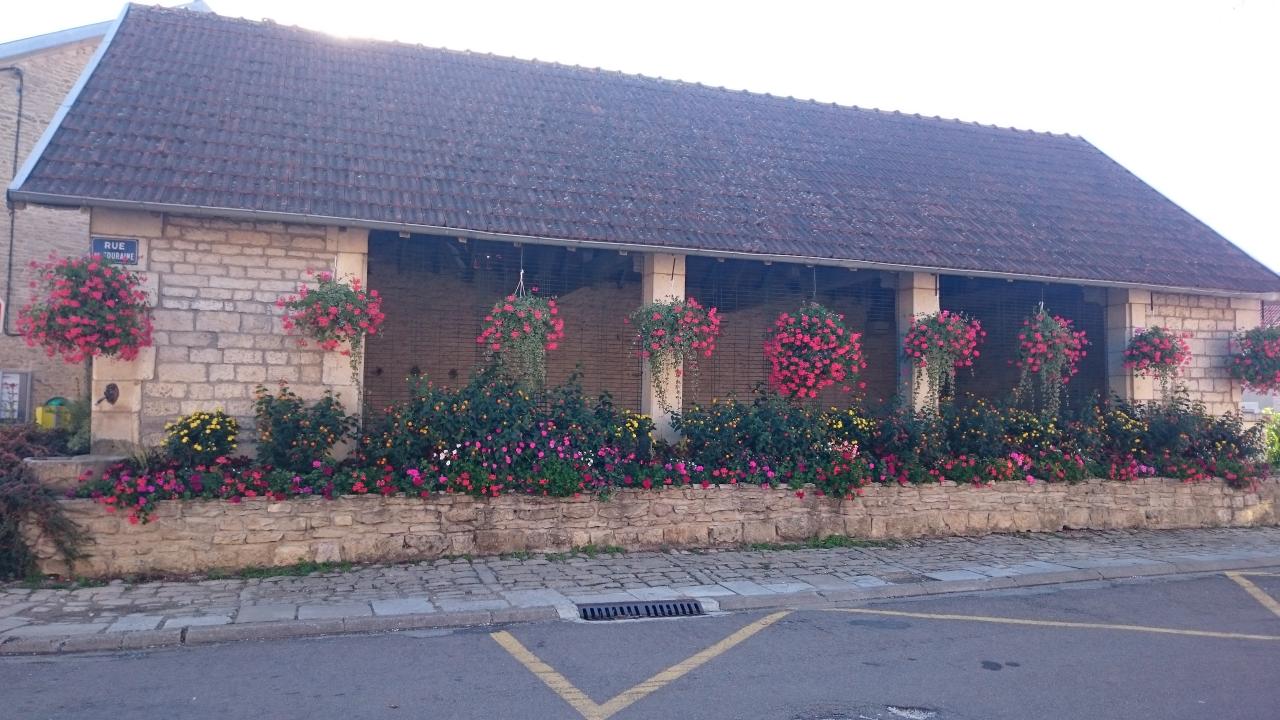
(811, 350)
(335, 315)
(1256, 360)
(1049, 354)
(937, 345)
(86, 307)
(1158, 353)
(671, 333)
(518, 332)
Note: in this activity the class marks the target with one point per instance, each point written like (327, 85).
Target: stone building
(240, 156)
(35, 75)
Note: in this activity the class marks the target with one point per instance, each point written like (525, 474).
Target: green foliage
(756, 441)
(1271, 429)
(294, 435)
(201, 437)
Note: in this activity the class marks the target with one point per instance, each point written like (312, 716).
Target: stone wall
(198, 535)
(48, 76)
(1211, 321)
(218, 333)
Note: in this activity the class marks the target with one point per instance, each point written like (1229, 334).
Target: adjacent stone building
(36, 74)
(242, 156)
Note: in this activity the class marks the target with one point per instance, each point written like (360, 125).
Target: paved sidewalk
(472, 592)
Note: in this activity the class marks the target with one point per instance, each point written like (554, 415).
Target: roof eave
(27, 46)
(17, 195)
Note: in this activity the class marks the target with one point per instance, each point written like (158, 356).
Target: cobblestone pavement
(493, 584)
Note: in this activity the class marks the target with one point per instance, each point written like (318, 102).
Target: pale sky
(1184, 94)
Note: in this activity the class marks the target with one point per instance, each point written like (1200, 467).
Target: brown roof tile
(199, 110)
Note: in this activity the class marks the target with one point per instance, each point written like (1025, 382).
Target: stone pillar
(663, 278)
(1126, 313)
(351, 263)
(116, 427)
(918, 294)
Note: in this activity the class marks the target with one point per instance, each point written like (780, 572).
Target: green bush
(760, 441)
(1272, 437)
(294, 435)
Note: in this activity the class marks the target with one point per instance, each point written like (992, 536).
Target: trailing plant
(1049, 354)
(517, 334)
(937, 344)
(1158, 353)
(811, 350)
(201, 437)
(23, 498)
(336, 315)
(86, 307)
(671, 335)
(1256, 360)
(292, 434)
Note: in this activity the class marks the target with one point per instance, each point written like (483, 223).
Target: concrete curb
(808, 599)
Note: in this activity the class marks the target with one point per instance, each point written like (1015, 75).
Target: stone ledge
(193, 536)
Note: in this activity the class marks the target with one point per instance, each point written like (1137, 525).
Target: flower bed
(493, 438)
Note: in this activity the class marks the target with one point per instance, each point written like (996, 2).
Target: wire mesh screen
(437, 291)
(1002, 306)
(751, 295)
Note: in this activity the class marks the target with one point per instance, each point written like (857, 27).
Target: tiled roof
(192, 109)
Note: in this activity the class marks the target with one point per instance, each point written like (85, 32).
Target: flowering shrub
(86, 307)
(811, 350)
(671, 332)
(939, 343)
(518, 332)
(293, 435)
(334, 314)
(201, 437)
(1159, 353)
(1049, 353)
(1256, 360)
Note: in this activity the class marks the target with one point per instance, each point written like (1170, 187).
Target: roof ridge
(691, 84)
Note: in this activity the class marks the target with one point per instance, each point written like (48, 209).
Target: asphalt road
(805, 665)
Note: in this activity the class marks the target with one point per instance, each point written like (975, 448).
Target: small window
(15, 396)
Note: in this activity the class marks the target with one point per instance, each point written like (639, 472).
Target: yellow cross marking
(1060, 624)
(588, 708)
(1266, 600)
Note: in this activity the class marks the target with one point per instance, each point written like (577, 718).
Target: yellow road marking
(1267, 601)
(587, 707)
(547, 674)
(1255, 572)
(1060, 624)
(677, 671)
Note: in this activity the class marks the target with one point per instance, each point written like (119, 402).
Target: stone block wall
(48, 76)
(190, 536)
(1212, 321)
(218, 332)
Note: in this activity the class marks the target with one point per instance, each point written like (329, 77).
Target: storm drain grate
(644, 609)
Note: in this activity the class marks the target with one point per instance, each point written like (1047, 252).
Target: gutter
(17, 195)
(13, 211)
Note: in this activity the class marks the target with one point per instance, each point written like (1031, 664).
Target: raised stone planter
(189, 536)
(63, 473)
